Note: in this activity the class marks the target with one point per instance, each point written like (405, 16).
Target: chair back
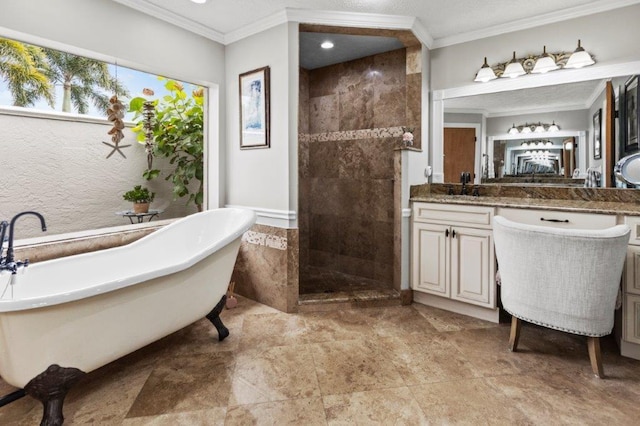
(565, 279)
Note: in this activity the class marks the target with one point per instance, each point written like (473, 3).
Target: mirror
(542, 157)
(628, 170)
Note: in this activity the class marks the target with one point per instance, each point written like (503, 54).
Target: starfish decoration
(116, 147)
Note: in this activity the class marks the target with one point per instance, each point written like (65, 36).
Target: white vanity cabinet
(630, 342)
(453, 258)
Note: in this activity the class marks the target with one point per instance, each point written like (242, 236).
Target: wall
(259, 177)
(59, 168)
(609, 36)
(106, 30)
(267, 266)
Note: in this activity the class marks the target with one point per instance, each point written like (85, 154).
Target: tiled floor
(407, 365)
(320, 280)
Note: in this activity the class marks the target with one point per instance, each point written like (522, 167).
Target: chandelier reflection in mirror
(533, 128)
(535, 64)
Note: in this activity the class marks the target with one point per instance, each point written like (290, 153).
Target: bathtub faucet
(3, 231)
(8, 263)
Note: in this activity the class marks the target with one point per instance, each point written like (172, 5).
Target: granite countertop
(582, 200)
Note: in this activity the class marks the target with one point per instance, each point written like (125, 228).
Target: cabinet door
(633, 270)
(632, 319)
(430, 258)
(473, 266)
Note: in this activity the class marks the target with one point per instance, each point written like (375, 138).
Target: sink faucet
(8, 263)
(465, 178)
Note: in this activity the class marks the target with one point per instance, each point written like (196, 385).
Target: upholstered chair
(565, 279)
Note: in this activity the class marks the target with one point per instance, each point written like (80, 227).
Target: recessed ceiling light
(326, 45)
(199, 1)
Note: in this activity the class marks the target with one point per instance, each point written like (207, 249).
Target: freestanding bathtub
(81, 312)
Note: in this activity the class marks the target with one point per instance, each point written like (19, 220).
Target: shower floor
(318, 285)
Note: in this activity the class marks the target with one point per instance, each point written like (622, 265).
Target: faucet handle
(450, 190)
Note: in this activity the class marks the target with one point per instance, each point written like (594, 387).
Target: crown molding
(172, 18)
(336, 19)
(421, 32)
(256, 27)
(350, 19)
(523, 24)
(307, 16)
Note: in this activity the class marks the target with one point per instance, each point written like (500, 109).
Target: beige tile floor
(408, 365)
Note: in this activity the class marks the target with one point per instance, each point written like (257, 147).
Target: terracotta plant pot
(140, 208)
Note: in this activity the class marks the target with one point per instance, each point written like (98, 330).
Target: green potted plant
(140, 197)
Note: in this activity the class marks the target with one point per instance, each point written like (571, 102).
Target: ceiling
(440, 22)
(346, 48)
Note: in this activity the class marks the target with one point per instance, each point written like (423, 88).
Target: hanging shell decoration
(148, 112)
(115, 114)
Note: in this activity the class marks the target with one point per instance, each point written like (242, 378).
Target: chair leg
(595, 356)
(515, 333)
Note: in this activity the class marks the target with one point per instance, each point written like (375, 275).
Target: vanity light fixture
(579, 58)
(545, 63)
(485, 73)
(533, 128)
(327, 45)
(535, 64)
(514, 68)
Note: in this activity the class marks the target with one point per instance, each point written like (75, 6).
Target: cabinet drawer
(634, 224)
(632, 319)
(559, 219)
(453, 214)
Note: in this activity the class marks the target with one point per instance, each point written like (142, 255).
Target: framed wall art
(597, 130)
(254, 109)
(631, 115)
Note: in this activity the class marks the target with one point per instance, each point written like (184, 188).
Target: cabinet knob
(446, 233)
(453, 233)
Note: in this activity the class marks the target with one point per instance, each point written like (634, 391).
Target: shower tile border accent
(378, 133)
(262, 239)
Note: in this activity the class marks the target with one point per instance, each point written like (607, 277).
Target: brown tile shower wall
(267, 267)
(351, 120)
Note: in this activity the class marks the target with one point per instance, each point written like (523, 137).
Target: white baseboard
(492, 315)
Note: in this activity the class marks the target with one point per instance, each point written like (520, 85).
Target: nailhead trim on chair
(555, 327)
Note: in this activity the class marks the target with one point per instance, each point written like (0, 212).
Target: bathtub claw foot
(50, 387)
(214, 317)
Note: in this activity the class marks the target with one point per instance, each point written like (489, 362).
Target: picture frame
(254, 109)
(597, 130)
(631, 114)
(621, 123)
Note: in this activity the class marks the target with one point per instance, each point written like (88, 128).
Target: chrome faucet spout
(3, 231)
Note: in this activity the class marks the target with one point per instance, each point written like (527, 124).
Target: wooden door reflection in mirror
(459, 152)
